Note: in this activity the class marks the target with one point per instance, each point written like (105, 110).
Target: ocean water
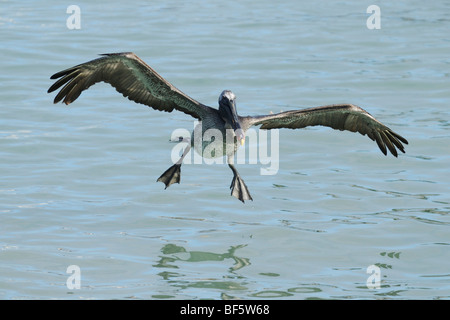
(336, 220)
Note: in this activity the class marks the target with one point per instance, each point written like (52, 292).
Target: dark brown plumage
(341, 117)
(130, 76)
(137, 81)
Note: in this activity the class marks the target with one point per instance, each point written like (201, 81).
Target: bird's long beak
(240, 136)
(235, 123)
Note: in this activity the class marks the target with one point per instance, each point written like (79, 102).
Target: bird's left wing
(341, 117)
(130, 76)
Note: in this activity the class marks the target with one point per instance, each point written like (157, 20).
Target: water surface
(79, 184)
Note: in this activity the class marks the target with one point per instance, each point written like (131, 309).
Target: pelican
(137, 81)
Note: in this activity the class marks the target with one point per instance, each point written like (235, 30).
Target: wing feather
(340, 117)
(130, 76)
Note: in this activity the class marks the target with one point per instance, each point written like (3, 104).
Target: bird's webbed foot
(171, 175)
(238, 187)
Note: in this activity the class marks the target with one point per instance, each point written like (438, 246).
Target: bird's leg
(172, 175)
(238, 187)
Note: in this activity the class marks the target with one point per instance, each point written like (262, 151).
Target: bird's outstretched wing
(130, 76)
(341, 116)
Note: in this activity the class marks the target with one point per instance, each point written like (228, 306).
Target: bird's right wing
(341, 117)
(130, 76)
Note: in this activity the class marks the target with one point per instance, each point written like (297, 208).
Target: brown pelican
(137, 81)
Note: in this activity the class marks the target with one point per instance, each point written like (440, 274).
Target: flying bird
(137, 81)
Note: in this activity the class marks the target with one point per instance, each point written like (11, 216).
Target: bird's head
(228, 112)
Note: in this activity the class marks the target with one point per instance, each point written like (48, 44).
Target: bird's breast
(213, 138)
